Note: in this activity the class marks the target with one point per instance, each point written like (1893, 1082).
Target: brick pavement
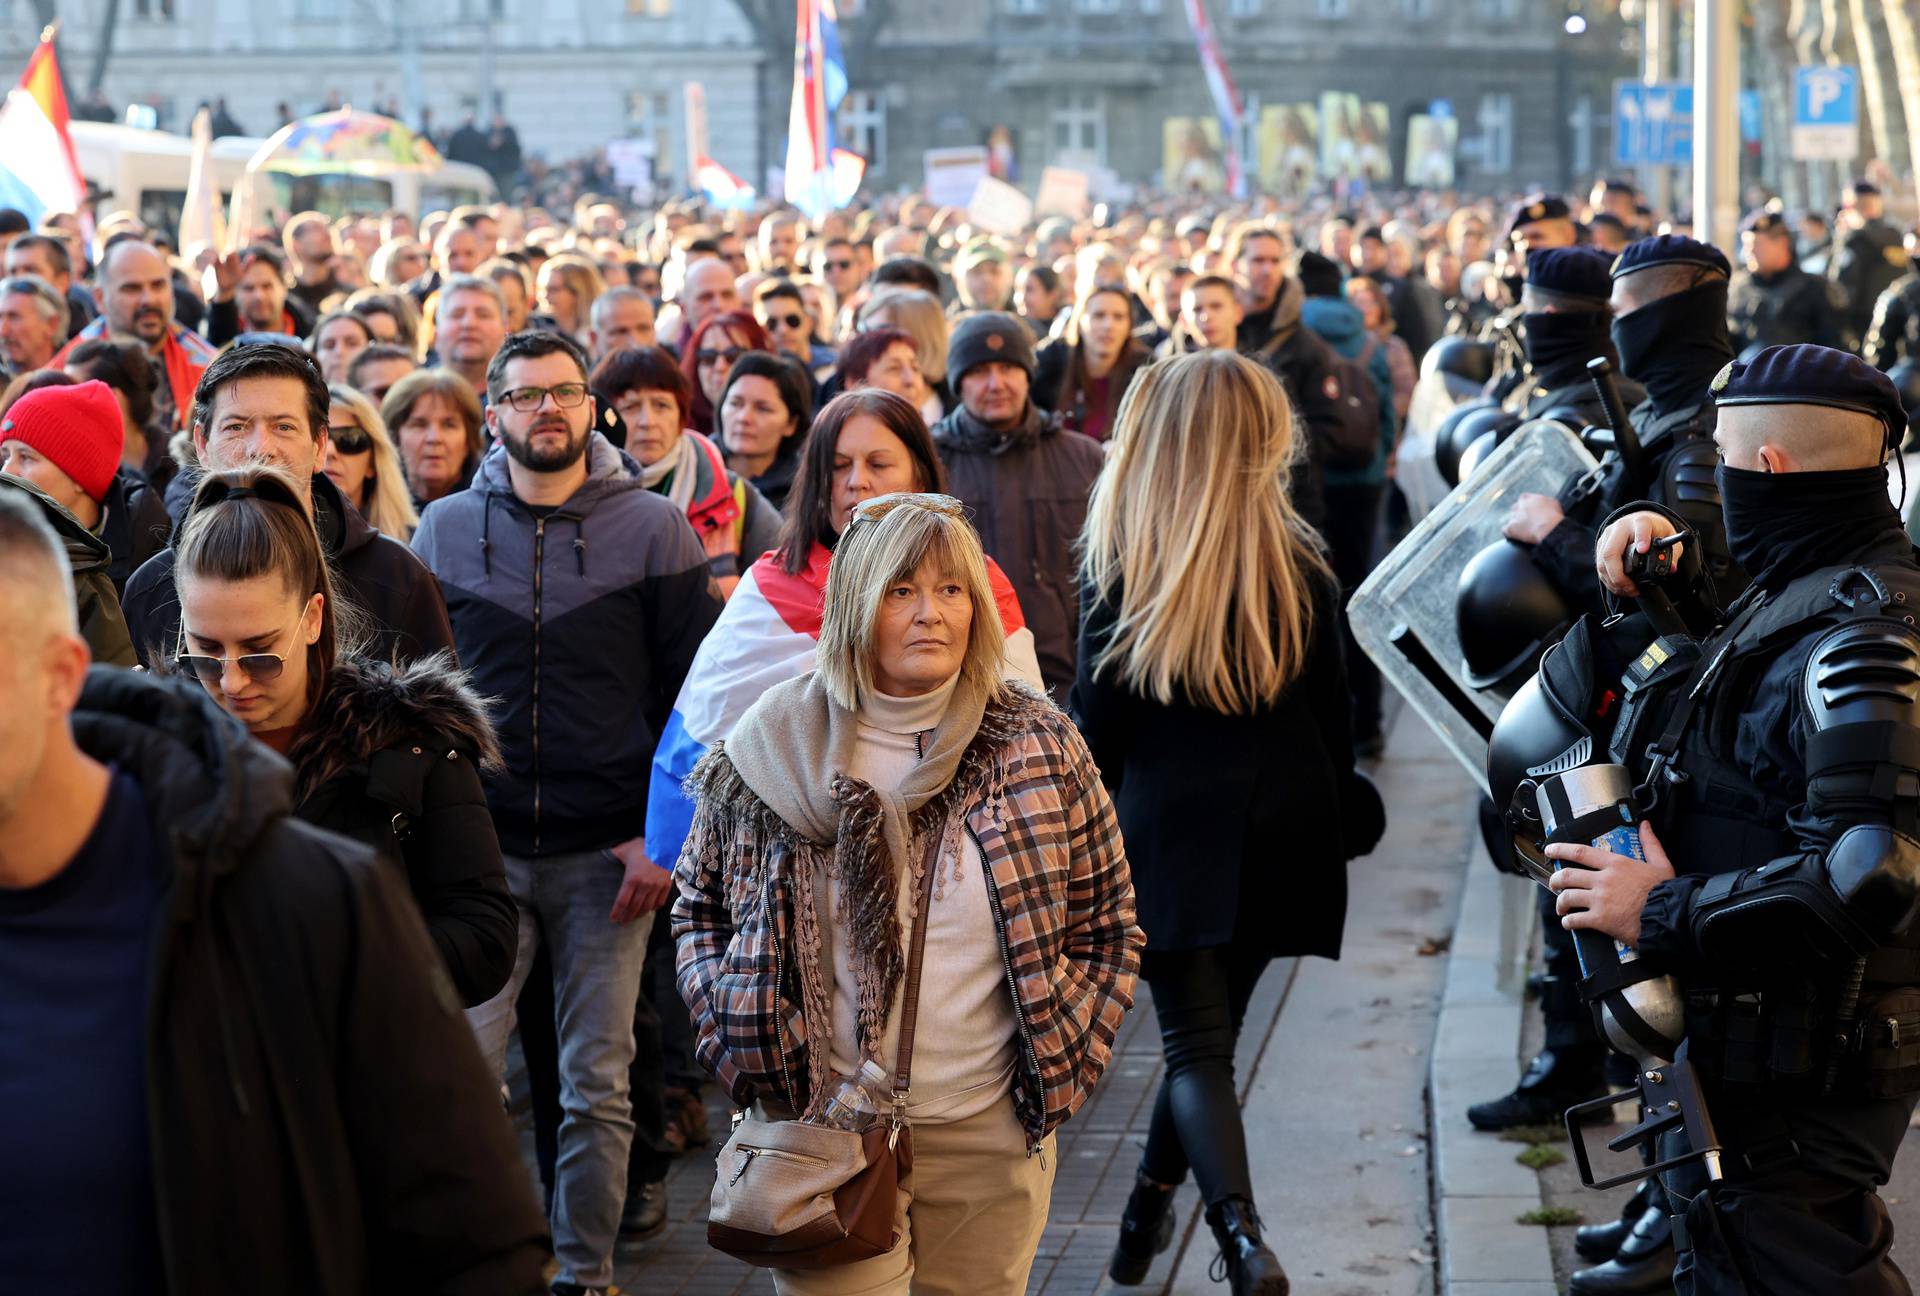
(1098, 1151)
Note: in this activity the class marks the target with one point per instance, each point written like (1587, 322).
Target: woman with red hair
(708, 359)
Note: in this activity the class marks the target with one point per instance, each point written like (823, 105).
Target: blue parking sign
(1826, 113)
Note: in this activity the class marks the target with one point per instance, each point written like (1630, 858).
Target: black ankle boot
(1601, 1242)
(1244, 1260)
(1146, 1229)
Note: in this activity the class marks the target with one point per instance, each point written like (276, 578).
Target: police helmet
(1506, 613)
(1483, 445)
(1463, 357)
(1446, 455)
(1573, 417)
(1475, 424)
(1533, 730)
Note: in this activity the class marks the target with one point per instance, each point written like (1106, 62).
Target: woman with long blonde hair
(1212, 693)
(362, 462)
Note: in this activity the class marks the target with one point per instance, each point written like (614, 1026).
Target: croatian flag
(38, 171)
(722, 187)
(766, 636)
(819, 84)
(1226, 97)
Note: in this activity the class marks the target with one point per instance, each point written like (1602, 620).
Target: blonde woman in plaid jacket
(798, 884)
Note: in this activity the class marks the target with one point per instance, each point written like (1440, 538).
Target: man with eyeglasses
(838, 264)
(269, 402)
(578, 597)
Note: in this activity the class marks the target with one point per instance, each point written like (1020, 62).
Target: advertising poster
(1430, 145)
(1289, 139)
(1354, 139)
(1193, 161)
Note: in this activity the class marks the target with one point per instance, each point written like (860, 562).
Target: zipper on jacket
(1013, 984)
(779, 979)
(539, 554)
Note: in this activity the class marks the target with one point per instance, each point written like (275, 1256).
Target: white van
(146, 172)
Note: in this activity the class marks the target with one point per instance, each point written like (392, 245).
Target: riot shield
(1404, 615)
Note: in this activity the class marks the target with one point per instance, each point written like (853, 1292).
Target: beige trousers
(972, 1212)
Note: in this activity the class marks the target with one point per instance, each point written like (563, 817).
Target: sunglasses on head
(729, 354)
(872, 510)
(258, 667)
(350, 438)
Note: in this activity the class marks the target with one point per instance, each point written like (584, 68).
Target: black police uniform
(1675, 346)
(1865, 263)
(1894, 334)
(1560, 343)
(1787, 308)
(1783, 757)
(1507, 330)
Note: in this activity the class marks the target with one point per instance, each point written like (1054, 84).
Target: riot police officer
(1540, 221)
(1565, 323)
(1773, 302)
(1867, 254)
(1779, 767)
(1894, 334)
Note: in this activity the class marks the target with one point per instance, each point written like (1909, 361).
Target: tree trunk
(1904, 41)
(1886, 122)
(1771, 42)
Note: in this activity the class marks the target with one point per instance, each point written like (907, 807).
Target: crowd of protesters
(659, 594)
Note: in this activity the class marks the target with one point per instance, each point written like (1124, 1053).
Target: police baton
(1626, 442)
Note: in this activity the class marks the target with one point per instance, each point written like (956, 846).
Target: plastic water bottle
(856, 1100)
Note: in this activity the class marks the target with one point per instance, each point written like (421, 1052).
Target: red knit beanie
(78, 428)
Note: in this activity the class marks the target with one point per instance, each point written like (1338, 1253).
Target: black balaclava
(1783, 525)
(1673, 347)
(1559, 344)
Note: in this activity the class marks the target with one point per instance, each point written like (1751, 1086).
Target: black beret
(1864, 189)
(1767, 220)
(1538, 207)
(1812, 375)
(1575, 271)
(1670, 249)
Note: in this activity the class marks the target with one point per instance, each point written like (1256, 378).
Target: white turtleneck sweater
(965, 1041)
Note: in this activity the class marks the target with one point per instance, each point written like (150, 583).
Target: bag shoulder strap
(916, 956)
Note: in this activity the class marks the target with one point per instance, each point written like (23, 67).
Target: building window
(650, 8)
(863, 126)
(314, 11)
(1416, 8)
(1500, 10)
(1496, 133)
(1097, 6)
(154, 10)
(483, 10)
(1026, 6)
(1079, 129)
(1331, 8)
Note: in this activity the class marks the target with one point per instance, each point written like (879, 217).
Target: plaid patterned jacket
(1028, 791)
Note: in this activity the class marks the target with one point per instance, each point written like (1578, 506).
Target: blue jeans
(564, 901)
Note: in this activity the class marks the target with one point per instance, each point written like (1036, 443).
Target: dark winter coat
(135, 526)
(322, 1123)
(583, 623)
(1238, 828)
(1304, 364)
(391, 757)
(1051, 384)
(1866, 261)
(398, 596)
(101, 622)
(1026, 491)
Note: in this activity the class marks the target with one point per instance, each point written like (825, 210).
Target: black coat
(136, 526)
(406, 615)
(390, 757)
(321, 1120)
(1051, 366)
(1238, 828)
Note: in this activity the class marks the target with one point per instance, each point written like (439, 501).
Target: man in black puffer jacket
(1024, 481)
(231, 1062)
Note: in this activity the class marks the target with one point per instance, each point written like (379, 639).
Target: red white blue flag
(1226, 98)
(38, 171)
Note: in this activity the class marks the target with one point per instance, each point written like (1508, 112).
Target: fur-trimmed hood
(369, 706)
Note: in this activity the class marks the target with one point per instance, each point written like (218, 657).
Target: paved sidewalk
(1333, 1066)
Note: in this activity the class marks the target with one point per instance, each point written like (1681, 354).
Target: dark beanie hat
(1320, 276)
(986, 336)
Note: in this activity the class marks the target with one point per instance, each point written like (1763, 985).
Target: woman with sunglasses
(709, 358)
(904, 792)
(361, 461)
(389, 756)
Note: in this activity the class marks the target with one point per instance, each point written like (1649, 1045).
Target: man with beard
(134, 291)
(252, 296)
(557, 551)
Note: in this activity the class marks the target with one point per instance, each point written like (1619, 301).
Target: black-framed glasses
(528, 399)
(350, 439)
(706, 356)
(258, 667)
(784, 321)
